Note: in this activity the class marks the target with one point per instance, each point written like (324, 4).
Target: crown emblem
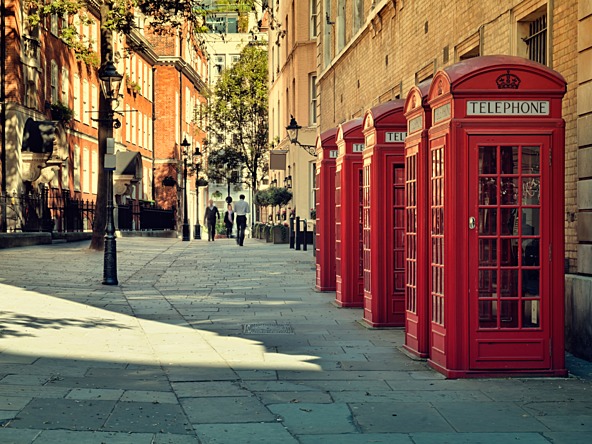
(508, 81)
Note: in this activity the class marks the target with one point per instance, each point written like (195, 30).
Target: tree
(166, 16)
(237, 119)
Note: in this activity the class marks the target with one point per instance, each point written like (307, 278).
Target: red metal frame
(419, 120)
(326, 150)
(384, 208)
(484, 321)
(348, 215)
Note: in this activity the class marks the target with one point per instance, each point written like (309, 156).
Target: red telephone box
(496, 209)
(348, 215)
(419, 120)
(326, 149)
(384, 215)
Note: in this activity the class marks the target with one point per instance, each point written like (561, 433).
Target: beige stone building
(372, 51)
(292, 75)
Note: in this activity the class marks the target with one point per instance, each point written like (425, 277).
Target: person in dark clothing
(211, 217)
(229, 220)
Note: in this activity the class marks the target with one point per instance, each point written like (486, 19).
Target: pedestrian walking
(241, 208)
(211, 217)
(229, 220)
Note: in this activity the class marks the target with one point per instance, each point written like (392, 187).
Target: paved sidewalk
(207, 343)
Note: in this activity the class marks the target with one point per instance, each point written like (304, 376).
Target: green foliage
(61, 112)
(237, 115)
(273, 196)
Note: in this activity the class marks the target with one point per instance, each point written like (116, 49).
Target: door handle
(471, 223)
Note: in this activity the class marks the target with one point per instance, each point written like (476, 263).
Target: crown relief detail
(508, 81)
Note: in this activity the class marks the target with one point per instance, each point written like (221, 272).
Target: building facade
(51, 114)
(292, 93)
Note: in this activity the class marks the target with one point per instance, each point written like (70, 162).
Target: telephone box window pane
(530, 283)
(509, 224)
(487, 191)
(487, 159)
(530, 314)
(531, 191)
(530, 252)
(509, 283)
(509, 313)
(531, 221)
(487, 252)
(487, 283)
(531, 160)
(487, 314)
(488, 221)
(509, 160)
(509, 252)
(509, 191)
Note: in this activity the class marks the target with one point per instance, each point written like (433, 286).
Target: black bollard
(297, 223)
(291, 232)
(304, 235)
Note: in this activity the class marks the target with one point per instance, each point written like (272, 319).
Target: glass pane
(487, 252)
(530, 282)
(487, 283)
(509, 283)
(509, 314)
(531, 191)
(530, 314)
(487, 191)
(531, 160)
(487, 221)
(531, 221)
(509, 191)
(530, 252)
(508, 252)
(487, 159)
(487, 314)
(509, 223)
(509, 160)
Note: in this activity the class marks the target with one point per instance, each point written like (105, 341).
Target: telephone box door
(509, 252)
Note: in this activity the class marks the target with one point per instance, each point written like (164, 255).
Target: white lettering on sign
(415, 124)
(358, 147)
(333, 154)
(394, 137)
(508, 108)
(442, 112)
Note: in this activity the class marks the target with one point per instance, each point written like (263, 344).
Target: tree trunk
(105, 130)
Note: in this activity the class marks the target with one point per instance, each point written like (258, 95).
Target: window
(358, 14)
(234, 58)
(65, 86)
(54, 82)
(85, 171)
(76, 168)
(94, 105)
(327, 54)
(340, 23)
(95, 171)
(535, 41)
(85, 102)
(223, 24)
(128, 126)
(313, 19)
(312, 93)
(66, 172)
(53, 24)
(76, 89)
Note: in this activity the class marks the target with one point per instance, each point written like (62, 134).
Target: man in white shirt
(241, 208)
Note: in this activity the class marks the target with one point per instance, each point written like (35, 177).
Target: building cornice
(181, 65)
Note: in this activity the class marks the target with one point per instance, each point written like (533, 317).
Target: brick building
(164, 83)
(372, 51)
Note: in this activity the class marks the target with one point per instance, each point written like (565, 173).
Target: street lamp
(288, 182)
(194, 167)
(292, 129)
(185, 145)
(110, 84)
(273, 183)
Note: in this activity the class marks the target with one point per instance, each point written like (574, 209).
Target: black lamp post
(273, 183)
(288, 182)
(186, 235)
(292, 129)
(194, 166)
(110, 84)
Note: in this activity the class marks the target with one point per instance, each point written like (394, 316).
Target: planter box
(277, 235)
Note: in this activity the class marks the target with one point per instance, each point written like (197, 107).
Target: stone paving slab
(167, 350)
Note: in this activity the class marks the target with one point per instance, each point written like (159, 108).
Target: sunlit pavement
(212, 343)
